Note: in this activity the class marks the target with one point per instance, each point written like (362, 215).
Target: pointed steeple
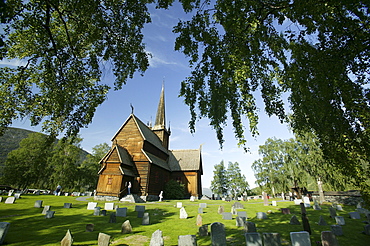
(160, 119)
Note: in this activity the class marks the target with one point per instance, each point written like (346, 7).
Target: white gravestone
(109, 206)
(179, 205)
(301, 238)
(91, 205)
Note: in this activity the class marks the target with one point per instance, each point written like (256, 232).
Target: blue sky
(143, 93)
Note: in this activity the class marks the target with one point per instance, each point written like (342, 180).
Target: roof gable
(185, 160)
(119, 154)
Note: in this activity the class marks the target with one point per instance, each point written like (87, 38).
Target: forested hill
(10, 141)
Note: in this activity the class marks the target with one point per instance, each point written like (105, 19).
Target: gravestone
(49, 214)
(91, 205)
(203, 231)
(294, 220)
(274, 203)
(109, 206)
(316, 207)
(297, 201)
(157, 239)
(203, 205)
(112, 217)
(126, 227)
(10, 200)
(301, 238)
(199, 220)
(340, 220)
(97, 211)
(355, 215)
(192, 198)
(265, 200)
(140, 214)
(233, 210)
(322, 221)
(261, 215)
(249, 226)
(220, 209)
(336, 230)
(253, 239)
(1, 198)
(67, 205)
(271, 239)
(183, 213)
(145, 220)
(339, 207)
(227, 216)
(332, 212)
(306, 202)
(89, 227)
(17, 195)
(103, 212)
(200, 210)
(303, 208)
(240, 221)
(179, 205)
(285, 211)
(10, 192)
(306, 224)
(67, 239)
(46, 208)
(4, 227)
(139, 208)
(121, 212)
(238, 205)
(218, 235)
(187, 240)
(328, 239)
(367, 229)
(242, 214)
(103, 239)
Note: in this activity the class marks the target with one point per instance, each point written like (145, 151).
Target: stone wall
(343, 197)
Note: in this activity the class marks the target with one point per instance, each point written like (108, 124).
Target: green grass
(29, 227)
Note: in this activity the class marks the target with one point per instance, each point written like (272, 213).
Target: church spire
(160, 119)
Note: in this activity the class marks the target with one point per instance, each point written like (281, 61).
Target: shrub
(174, 190)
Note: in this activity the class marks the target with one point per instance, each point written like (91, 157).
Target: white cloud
(12, 62)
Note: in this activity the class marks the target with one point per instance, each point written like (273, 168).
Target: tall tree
(237, 184)
(219, 182)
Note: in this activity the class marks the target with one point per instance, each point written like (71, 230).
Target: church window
(110, 180)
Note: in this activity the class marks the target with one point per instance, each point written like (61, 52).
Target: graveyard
(46, 219)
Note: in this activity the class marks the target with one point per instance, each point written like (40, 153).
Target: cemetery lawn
(28, 226)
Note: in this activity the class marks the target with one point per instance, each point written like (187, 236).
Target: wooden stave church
(140, 155)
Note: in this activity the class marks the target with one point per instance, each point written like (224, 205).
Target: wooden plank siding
(142, 169)
(157, 179)
(109, 185)
(190, 180)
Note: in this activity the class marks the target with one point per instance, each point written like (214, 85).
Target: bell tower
(159, 127)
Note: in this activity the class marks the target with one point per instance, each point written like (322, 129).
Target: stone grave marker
(220, 209)
(316, 207)
(271, 239)
(145, 220)
(367, 229)
(187, 240)
(17, 195)
(179, 205)
(249, 226)
(265, 199)
(156, 239)
(297, 201)
(332, 212)
(339, 207)
(336, 230)
(340, 220)
(200, 210)
(1, 198)
(109, 206)
(261, 215)
(103, 212)
(49, 214)
(112, 217)
(126, 227)
(306, 202)
(294, 220)
(322, 221)
(306, 224)
(97, 211)
(203, 205)
(274, 203)
(89, 227)
(253, 239)
(91, 205)
(103, 239)
(140, 214)
(121, 212)
(240, 221)
(67, 239)
(203, 231)
(139, 208)
(303, 208)
(46, 208)
(242, 214)
(10, 200)
(10, 192)
(4, 227)
(192, 198)
(238, 205)
(67, 205)
(218, 235)
(199, 220)
(328, 239)
(301, 238)
(285, 211)
(183, 213)
(355, 215)
(233, 210)
(227, 216)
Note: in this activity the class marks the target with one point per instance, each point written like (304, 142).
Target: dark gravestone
(156, 239)
(271, 239)
(301, 238)
(121, 212)
(240, 221)
(38, 204)
(285, 211)
(337, 230)
(253, 239)
(227, 216)
(367, 229)
(306, 224)
(67, 239)
(203, 231)
(126, 227)
(218, 235)
(139, 208)
(49, 214)
(187, 240)
(303, 208)
(340, 220)
(112, 218)
(97, 211)
(67, 205)
(294, 220)
(328, 239)
(355, 215)
(249, 226)
(145, 220)
(140, 214)
(220, 209)
(322, 222)
(200, 210)
(332, 212)
(89, 227)
(4, 227)
(103, 212)
(103, 239)
(46, 208)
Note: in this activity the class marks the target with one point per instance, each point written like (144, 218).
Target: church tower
(159, 127)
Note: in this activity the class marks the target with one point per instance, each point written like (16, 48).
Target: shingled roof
(122, 153)
(185, 160)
